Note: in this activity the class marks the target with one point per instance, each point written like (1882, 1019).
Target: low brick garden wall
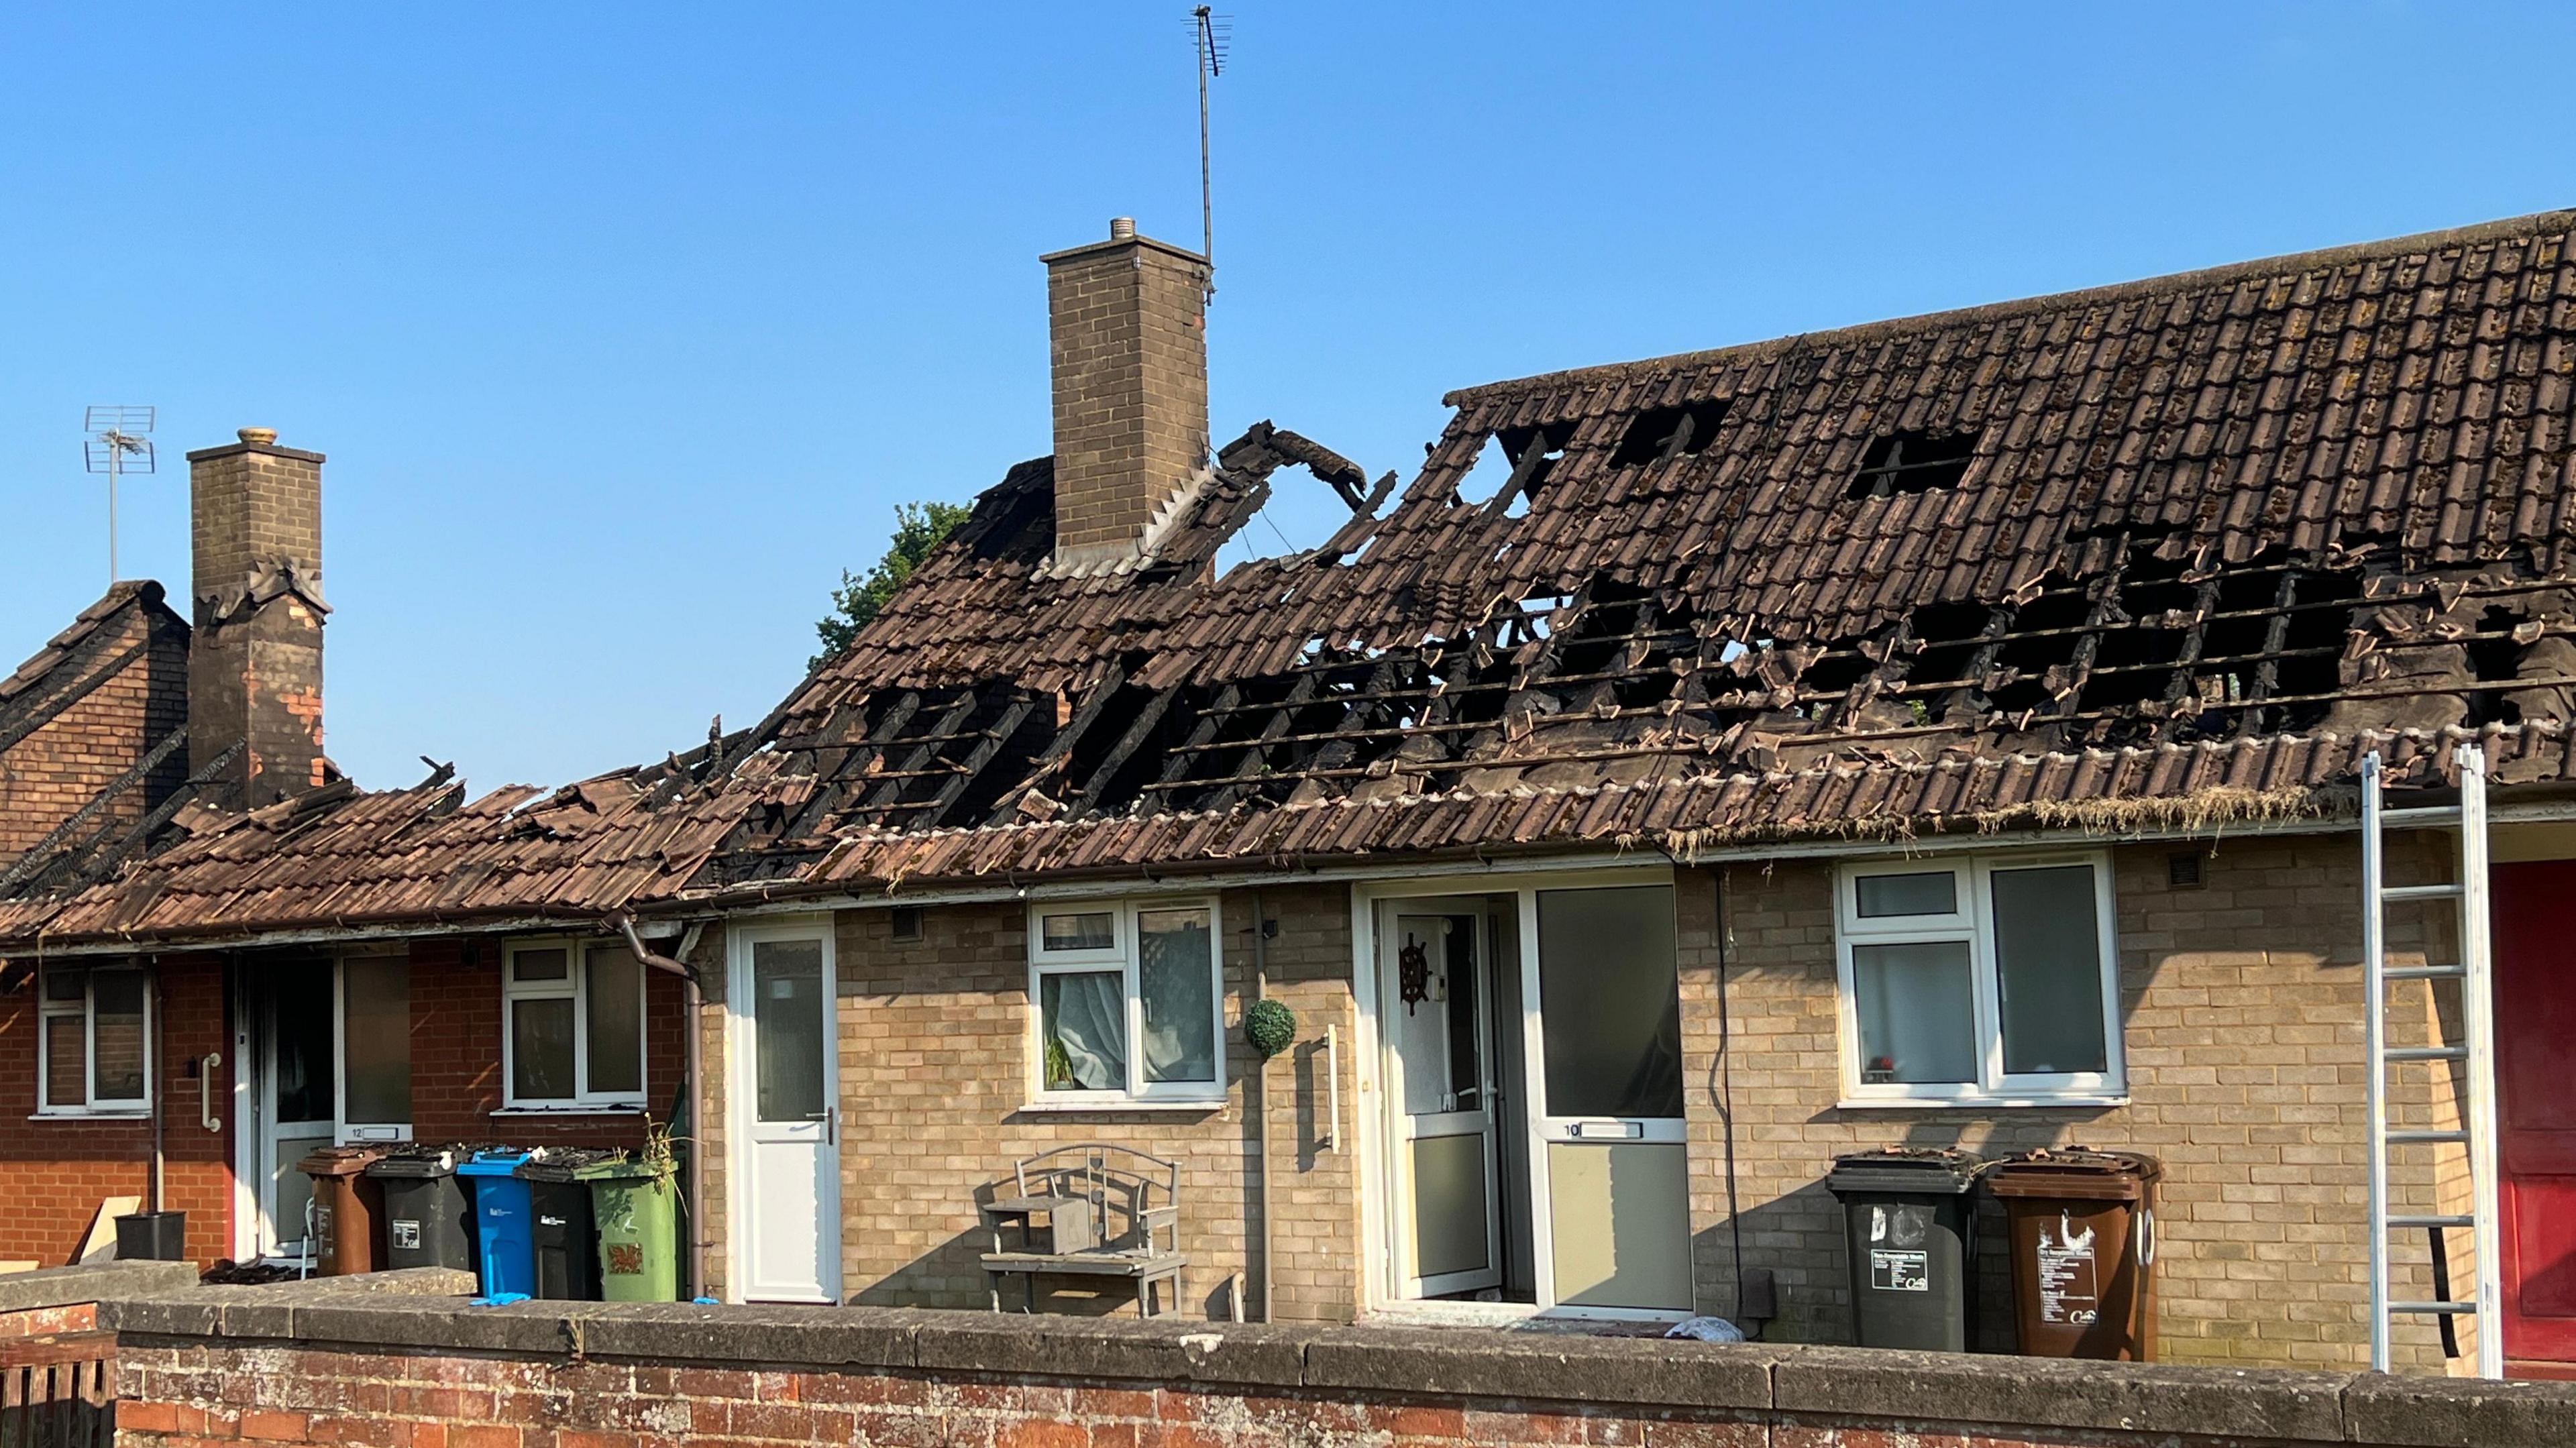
(400, 1360)
(336, 1363)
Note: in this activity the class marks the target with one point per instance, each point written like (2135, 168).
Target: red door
(2535, 968)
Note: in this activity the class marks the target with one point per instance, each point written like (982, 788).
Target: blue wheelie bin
(505, 1244)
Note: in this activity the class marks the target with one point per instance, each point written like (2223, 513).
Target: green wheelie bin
(636, 1207)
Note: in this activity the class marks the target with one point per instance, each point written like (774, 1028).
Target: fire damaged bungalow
(1944, 732)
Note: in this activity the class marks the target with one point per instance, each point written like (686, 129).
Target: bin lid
(1932, 1171)
(2075, 1173)
(414, 1163)
(572, 1164)
(492, 1163)
(339, 1161)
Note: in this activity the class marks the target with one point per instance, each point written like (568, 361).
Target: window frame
(576, 988)
(1972, 923)
(47, 1010)
(1125, 956)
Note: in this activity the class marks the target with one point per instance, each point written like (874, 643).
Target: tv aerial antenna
(1214, 36)
(119, 442)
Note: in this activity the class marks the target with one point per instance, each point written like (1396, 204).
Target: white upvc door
(1438, 1020)
(1611, 1165)
(786, 1114)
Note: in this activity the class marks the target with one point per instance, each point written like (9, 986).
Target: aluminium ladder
(2474, 1057)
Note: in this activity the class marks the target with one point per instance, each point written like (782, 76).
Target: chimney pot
(1122, 228)
(260, 435)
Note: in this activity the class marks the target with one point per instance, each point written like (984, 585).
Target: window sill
(140, 1113)
(2090, 1101)
(602, 1109)
(1120, 1106)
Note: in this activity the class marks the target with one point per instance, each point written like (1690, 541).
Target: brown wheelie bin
(2082, 1228)
(348, 1210)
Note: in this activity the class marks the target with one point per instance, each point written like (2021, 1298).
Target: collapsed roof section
(2169, 553)
(2324, 494)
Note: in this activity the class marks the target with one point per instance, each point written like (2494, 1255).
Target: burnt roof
(2142, 542)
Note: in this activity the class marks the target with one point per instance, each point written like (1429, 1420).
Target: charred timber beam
(920, 753)
(1138, 730)
(1061, 747)
(994, 738)
(836, 783)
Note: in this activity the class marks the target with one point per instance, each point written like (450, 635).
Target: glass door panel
(301, 1095)
(375, 1034)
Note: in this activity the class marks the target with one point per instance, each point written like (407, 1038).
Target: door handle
(206, 1116)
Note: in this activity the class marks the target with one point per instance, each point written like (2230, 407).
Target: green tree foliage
(918, 529)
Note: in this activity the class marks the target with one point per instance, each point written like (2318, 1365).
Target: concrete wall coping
(90, 1282)
(412, 1312)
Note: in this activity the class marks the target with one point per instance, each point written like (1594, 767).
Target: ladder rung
(2398, 1222)
(2427, 1053)
(2434, 1309)
(2423, 972)
(2421, 815)
(2420, 892)
(2404, 1138)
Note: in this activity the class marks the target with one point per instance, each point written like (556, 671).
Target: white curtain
(1086, 1030)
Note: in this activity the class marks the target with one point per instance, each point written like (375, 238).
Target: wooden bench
(1096, 1211)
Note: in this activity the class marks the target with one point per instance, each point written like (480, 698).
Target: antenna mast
(1212, 33)
(117, 444)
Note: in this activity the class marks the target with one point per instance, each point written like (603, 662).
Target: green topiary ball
(1270, 1027)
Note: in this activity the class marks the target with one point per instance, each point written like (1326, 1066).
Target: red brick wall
(335, 1398)
(54, 1173)
(46, 1321)
(48, 776)
(456, 1080)
(927, 1380)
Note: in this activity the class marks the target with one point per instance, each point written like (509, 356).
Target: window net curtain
(1173, 959)
(1086, 1031)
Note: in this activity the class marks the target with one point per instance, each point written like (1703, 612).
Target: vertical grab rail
(1330, 1138)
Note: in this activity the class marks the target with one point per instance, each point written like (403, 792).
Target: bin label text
(2070, 1289)
(1900, 1271)
(406, 1235)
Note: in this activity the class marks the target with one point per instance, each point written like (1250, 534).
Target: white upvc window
(572, 1026)
(1128, 1003)
(1991, 980)
(93, 1041)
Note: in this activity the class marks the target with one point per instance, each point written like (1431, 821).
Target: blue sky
(626, 327)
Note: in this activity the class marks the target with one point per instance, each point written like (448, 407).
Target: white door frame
(1404, 1125)
(1381, 1283)
(740, 1088)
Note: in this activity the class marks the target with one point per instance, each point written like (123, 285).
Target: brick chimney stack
(255, 659)
(1127, 334)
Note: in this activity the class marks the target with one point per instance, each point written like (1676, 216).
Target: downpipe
(691, 1004)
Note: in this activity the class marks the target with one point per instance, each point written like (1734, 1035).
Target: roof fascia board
(329, 935)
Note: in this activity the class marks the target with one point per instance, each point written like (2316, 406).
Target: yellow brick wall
(2243, 1011)
(2242, 1007)
(934, 1060)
